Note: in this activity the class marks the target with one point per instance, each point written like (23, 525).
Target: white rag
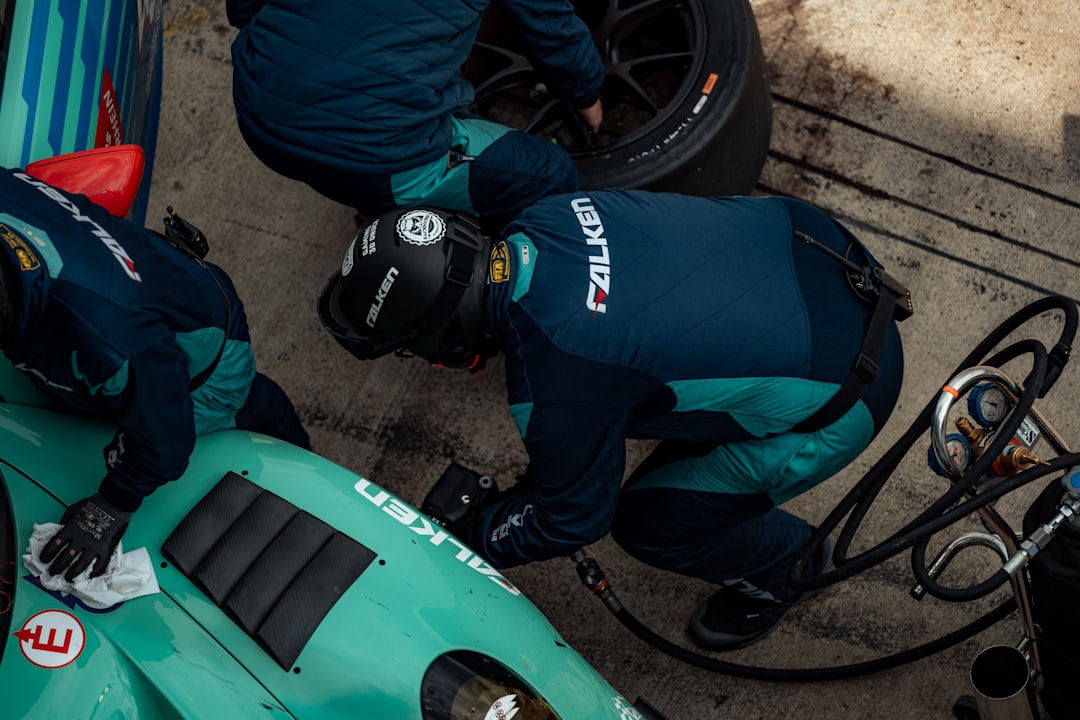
(129, 575)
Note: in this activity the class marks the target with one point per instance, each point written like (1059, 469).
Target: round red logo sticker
(51, 638)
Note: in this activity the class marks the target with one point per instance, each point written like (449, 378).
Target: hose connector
(593, 577)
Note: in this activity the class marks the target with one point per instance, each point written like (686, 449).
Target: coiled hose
(1046, 369)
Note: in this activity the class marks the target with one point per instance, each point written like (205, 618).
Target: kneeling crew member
(756, 338)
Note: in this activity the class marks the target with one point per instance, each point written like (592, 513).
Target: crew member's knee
(516, 171)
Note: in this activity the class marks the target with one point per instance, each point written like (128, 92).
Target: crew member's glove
(91, 530)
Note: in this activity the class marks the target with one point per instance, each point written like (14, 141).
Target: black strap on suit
(891, 301)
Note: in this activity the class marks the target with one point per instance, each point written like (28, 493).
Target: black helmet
(412, 281)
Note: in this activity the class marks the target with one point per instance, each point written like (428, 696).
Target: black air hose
(859, 499)
(1046, 369)
(837, 672)
(918, 561)
(595, 580)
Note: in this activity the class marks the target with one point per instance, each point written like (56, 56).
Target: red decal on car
(109, 129)
(51, 638)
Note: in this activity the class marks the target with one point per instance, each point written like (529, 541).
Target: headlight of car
(465, 685)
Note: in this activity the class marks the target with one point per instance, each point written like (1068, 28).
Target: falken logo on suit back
(99, 232)
(599, 265)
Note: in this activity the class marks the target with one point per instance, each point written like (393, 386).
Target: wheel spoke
(515, 71)
(550, 112)
(503, 81)
(627, 74)
(622, 22)
(647, 49)
(629, 90)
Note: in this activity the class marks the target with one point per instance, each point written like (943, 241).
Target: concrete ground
(946, 133)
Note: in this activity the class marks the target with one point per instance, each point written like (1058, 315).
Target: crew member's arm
(562, 44)
(576, 457)
(156, 426)
(152, 445)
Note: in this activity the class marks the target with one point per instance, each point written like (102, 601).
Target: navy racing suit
(113, 321)
(365, 102)
(700, 322)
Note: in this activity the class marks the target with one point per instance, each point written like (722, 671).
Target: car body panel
(425, 595)
(145, 659)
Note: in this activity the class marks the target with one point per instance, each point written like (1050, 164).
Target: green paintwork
(175, 654)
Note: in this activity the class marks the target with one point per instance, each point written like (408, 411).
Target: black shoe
(731, 619)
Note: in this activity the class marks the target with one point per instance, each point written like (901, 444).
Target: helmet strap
(459, 277)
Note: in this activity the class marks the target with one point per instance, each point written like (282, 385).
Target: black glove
(457, 497)
(92, 529)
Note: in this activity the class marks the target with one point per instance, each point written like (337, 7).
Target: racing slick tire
(687, 105)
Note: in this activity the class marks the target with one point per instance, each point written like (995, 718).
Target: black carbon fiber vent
(273, 568)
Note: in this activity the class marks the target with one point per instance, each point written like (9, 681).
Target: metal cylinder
(1001, 678)
(1055, 597)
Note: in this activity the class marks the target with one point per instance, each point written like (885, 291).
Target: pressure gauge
(959, 451)
(988, 404)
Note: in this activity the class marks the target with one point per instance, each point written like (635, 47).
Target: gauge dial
(959, 450)
(989, 404)
(959, 454)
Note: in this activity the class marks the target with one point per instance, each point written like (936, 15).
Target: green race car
(290, 587)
